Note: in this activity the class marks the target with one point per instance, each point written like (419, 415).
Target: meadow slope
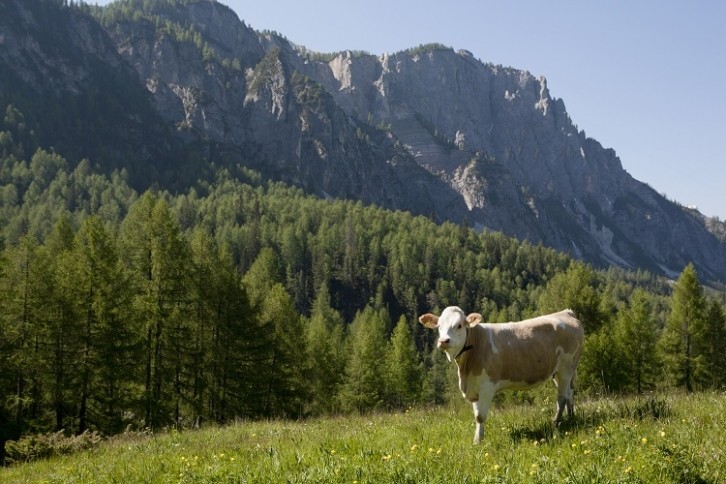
(656, 438)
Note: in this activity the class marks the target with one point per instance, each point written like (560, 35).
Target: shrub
(39, 446)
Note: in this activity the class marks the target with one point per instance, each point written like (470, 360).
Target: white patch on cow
(495, 350)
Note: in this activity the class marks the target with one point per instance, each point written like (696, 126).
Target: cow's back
(526, 352)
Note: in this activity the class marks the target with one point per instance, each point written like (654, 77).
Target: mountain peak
(428, 129)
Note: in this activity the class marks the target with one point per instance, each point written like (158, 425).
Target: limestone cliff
(429, 130)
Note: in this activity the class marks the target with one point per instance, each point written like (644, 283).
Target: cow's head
(452, 326)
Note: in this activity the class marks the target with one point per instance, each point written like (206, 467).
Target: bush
(39, 446)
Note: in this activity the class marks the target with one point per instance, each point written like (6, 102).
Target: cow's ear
(429, 320)
(474, 318)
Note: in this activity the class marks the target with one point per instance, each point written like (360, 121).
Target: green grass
(661, 438)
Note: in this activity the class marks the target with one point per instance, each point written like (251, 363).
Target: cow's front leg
(481, 409)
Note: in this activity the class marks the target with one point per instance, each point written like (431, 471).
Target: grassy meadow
(658, 438)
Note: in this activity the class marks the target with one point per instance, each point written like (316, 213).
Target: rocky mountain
(176, 87)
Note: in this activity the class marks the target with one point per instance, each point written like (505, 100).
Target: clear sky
(646, 78)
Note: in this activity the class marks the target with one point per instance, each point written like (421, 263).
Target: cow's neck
(466, 347)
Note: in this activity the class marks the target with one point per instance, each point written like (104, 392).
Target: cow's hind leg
(571, 396)
(565, 395)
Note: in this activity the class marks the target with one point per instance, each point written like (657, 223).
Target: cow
(515, 356)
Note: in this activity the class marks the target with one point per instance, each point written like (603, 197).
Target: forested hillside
(167, 92)
(252, 299)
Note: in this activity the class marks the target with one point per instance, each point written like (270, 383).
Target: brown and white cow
(517, 356)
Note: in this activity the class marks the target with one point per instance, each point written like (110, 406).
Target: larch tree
(286, 389)
(715, 344)
(363, 388)
(21, 288)
(158, 256)
(61, 336)
(684, 335)
(403, 367)
(325, 333)
(637, 337)
(574, 289)
(109, 337)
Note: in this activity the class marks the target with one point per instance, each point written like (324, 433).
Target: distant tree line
(253, 300)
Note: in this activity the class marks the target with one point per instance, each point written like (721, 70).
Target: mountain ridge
(430, 130)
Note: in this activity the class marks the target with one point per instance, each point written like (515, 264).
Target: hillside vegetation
(253, 300)
(665, 438)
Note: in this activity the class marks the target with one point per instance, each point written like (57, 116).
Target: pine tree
(683, 338)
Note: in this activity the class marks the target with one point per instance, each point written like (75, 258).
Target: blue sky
(646, 78)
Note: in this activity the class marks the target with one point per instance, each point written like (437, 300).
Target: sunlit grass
(670, 438)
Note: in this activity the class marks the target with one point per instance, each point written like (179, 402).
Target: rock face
(428, 130)
(61, 68)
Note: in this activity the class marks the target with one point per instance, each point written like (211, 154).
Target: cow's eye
(459, 326)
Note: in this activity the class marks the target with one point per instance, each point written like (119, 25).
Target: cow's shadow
(544, 431)
(593, 415)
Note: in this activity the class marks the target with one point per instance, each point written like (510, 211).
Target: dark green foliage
(264, 72)
(714, 344)
(636, 337)
(684, 337)
(404, 375)
(427, 49)
(309, 94)
(363, 388)
(40, 446)
(575, 289)
(325, 354)
(238, 300)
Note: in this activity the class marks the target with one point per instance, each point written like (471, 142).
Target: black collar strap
(466, 346)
